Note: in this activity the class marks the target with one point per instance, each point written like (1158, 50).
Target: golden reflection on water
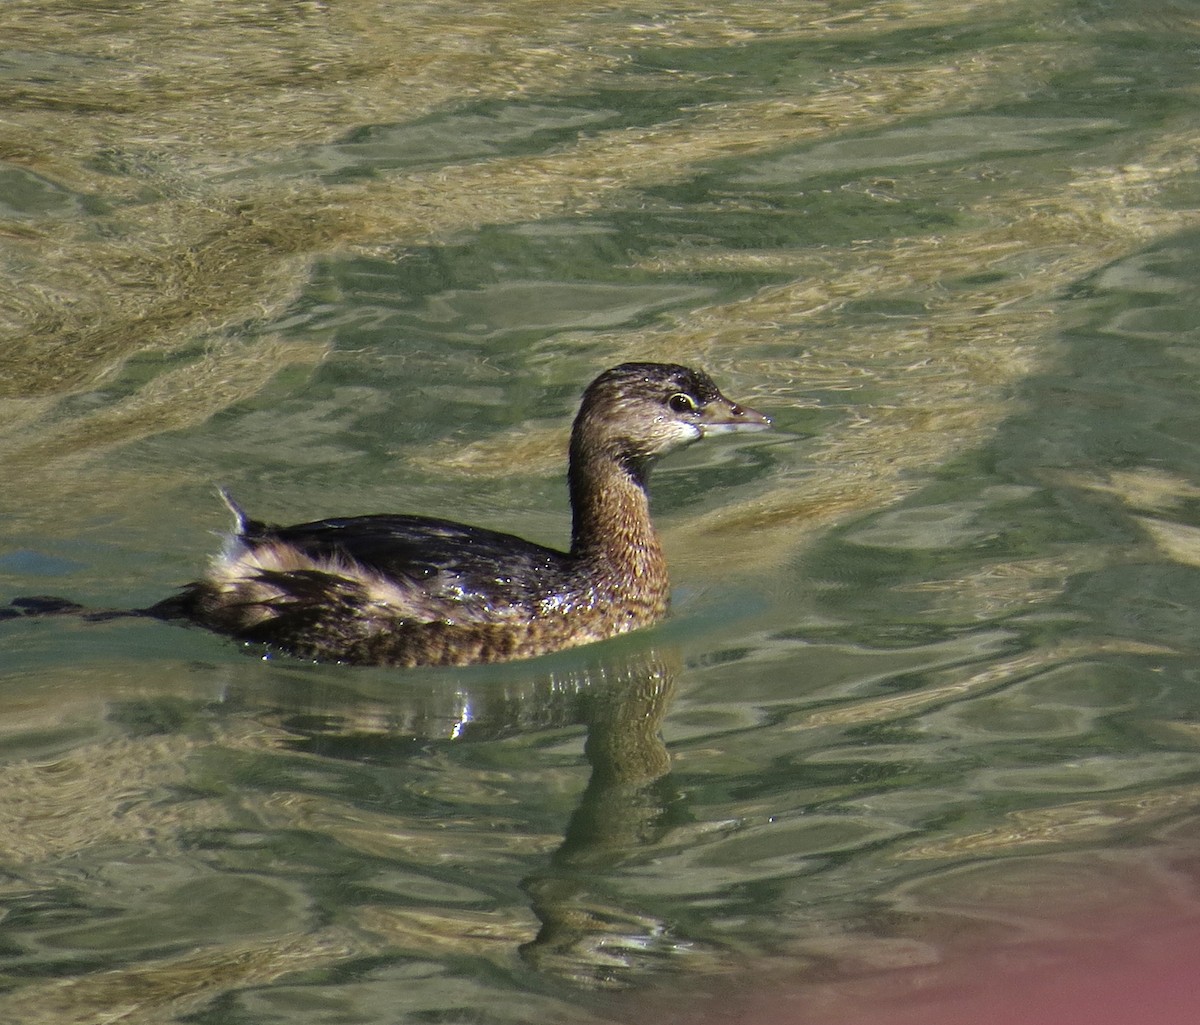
(175, 986)
(188, 248)
(96, 794)
(999, 673)
(114, 793)
(1078, 822)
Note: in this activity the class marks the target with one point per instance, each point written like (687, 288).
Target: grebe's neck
(612, 532)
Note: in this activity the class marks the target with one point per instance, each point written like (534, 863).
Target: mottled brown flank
(448, 644)
(408, 591)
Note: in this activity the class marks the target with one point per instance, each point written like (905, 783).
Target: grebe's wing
(426, 568)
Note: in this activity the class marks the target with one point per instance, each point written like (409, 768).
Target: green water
(931, 675)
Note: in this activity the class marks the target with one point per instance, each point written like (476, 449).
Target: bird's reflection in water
(588, 930)
(628, 806)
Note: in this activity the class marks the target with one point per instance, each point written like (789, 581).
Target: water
(930, 683)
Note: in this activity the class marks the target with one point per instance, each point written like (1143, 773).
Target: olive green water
(932, 671)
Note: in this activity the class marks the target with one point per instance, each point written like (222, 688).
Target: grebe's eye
(681, 403)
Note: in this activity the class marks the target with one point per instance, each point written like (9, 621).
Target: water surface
(930, 680)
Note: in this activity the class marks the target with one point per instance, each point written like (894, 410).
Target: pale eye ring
(681, 403)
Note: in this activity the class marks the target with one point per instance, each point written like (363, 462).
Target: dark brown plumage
(411, 590)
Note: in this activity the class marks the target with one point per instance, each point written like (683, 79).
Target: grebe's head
(639, 411)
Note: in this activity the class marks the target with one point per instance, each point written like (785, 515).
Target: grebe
(413, 590)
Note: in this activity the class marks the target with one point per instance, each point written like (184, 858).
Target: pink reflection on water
(1147, 975)
(1128, 954)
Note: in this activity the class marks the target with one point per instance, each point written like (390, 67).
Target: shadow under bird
(415, 590)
